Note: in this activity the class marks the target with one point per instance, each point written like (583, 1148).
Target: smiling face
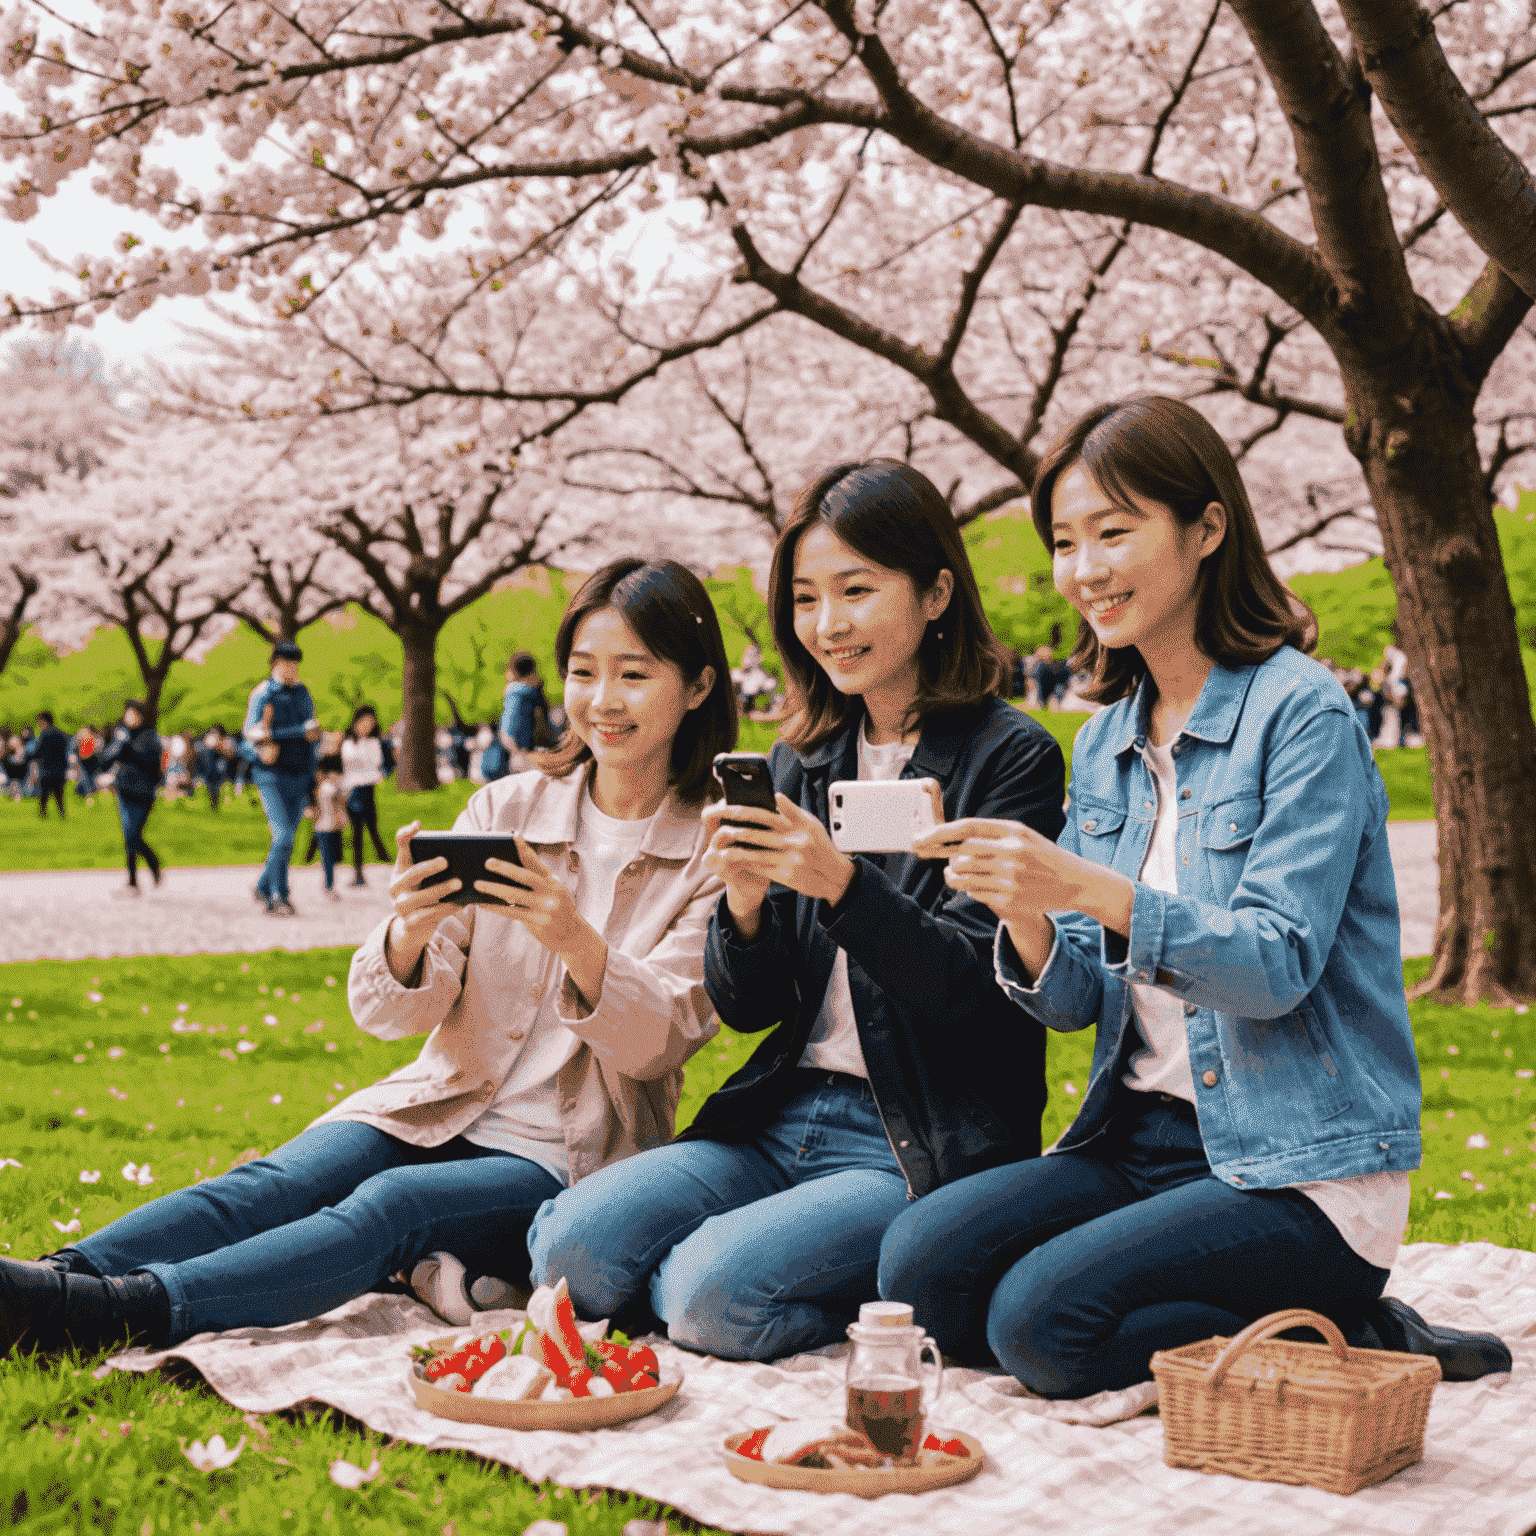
(1134, 575)
(861, 622)
(624, 702)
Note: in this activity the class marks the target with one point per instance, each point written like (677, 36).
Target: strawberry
(945, 1447)
(580, 1381)
(469, 1362)
(752, 1446)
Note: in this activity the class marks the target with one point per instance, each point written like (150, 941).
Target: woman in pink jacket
(559, 1010)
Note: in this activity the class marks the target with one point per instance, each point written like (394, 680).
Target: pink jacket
(483, 974)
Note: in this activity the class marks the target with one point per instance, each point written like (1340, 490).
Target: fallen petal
(1477, 1142)
(9, 1162)
(72, 1225)
(213, 1456)
(345, 1475)
(90, 1175)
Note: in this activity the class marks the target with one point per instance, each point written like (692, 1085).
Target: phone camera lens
(837, 800)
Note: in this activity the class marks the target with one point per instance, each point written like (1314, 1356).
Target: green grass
(104, 1455)
(188, 833)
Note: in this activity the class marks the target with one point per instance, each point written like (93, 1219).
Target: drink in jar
(888, 1410)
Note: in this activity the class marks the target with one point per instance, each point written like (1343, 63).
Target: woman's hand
(541, 903)
(417, 911)
(1022, 875)
(788, 847)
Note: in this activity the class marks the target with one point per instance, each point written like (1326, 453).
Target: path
(76, 914)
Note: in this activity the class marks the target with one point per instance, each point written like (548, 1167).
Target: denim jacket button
(1209, 1079)
(1232, 825)
(1190, 1010)
(1184, 794)
(1088, 826)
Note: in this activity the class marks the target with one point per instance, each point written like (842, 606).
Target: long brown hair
(672, 617)
(892, 515)
(1167, 452)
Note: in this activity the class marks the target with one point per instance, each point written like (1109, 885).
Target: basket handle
(1267, 1328)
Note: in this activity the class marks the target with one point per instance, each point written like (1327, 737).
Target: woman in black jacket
(892, 1062)
(134, 751)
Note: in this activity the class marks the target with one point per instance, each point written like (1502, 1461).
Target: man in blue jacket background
(280, 734)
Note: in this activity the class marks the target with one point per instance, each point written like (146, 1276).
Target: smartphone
(466, 853)
(883, 815)
(747, 780)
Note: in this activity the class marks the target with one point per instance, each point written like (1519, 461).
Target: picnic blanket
(1081, 1469)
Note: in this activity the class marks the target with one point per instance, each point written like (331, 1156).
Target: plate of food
(825, 1456)
(549, 1372)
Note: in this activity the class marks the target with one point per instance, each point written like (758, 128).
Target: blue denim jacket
(1282, 940)
(292, 710)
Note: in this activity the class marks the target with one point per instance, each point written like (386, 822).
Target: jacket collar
(1215, 715)
(943, 735)
(555, 813)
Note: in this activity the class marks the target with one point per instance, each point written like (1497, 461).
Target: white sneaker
(438, 1282)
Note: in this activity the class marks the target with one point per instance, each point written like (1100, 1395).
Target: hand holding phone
(747, 781)
(463, 858)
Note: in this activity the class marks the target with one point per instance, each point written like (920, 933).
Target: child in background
(330, 818)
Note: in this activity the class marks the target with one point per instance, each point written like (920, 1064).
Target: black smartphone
(466, 853)
(746, 779)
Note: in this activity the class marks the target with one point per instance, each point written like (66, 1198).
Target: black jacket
(50, 750)
(137, 757)
(958, 1071)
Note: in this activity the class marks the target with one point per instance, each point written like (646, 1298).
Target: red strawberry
(580, 1381)
(752, 1446)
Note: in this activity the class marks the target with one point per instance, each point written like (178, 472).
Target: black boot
(68, 1261)
(49, 1309)
(1388, 1323)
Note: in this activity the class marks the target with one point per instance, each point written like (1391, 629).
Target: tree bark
(12, 623)
(417, 768)
(1412, 430)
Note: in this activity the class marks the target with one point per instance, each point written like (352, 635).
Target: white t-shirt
(524, 1117)
(362, 761)
(1369, 1210)
(834, 1043)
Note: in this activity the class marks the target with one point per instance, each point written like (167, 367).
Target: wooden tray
(934, 1470)
(576, 1413)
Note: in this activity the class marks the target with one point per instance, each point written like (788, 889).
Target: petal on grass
(1444, 1194)
(213, 1456)
(9, 1162)
(246, 1045)
(72, 1225)
(345, 1475)
(1476, 1142)
(90, 1175)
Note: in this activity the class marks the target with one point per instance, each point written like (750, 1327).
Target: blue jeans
(330, 855)
(283, 798)
(325, 1218)
(1073, 1269)
(745, 1250)
(134, 814)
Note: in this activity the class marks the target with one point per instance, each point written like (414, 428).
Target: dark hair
(671, 614)
(523, 665)
(330, 763)
(1167, 452)
(893, 515)
(285, 650)
(45, 714)
(357, 714)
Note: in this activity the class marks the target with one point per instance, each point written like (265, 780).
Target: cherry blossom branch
(1487, 317)
(14, 620)
(1505, 452)
(1480, 178)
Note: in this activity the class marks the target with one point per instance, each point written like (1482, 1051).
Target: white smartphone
(883, 815)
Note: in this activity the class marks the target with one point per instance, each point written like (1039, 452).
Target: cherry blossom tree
(1316, 217)
(64, 408)
(139, 546)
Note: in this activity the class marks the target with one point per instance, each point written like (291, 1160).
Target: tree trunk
(418, 753)
(11, 624)
(1412, 431)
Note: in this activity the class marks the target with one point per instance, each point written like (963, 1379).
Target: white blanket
(1080, 1469)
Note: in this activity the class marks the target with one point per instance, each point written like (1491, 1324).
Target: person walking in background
(213, 755)
(329, 818)
(524, 710)
(367, 759)
(50, 751)
(280, 736)
(133, 755)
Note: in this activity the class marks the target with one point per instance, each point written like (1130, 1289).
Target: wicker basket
(1324, 1414)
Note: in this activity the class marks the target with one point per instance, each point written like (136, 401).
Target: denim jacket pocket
(1099, 824)
(1226, 829)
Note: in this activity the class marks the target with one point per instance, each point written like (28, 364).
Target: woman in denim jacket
(1222, 905)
